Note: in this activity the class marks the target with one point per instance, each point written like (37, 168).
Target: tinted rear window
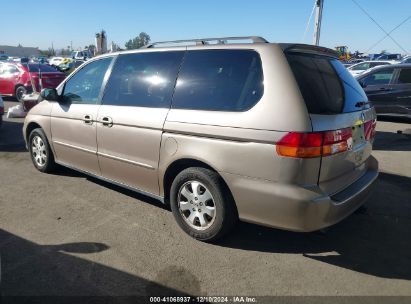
(325, 84)
(219, 80)
(143, 79)
(43, 68)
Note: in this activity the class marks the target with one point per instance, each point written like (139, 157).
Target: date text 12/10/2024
(205, 299)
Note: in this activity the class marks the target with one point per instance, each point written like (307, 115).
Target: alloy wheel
(39, 151)
(196, 205)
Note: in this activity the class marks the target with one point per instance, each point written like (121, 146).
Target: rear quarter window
(219, 80)
(405, 76)
(325, 84)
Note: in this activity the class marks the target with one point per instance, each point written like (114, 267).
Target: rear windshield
(43, 68)
(326, 85)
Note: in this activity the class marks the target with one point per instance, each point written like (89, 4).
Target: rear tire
(202, 205)
(40, 152)
(19, 92)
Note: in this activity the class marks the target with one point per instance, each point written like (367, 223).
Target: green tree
(139, 41)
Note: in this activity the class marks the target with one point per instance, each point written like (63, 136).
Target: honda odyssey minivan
(220, 129)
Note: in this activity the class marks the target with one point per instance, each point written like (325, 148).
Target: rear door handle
(385, 89)
(88, 119)
(107, 121)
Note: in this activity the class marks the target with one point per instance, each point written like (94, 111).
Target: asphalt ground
(67, 234)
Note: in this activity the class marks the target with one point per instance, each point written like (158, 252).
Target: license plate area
(358, 137)
(359, 144)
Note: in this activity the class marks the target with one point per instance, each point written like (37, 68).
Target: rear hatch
(339, 110)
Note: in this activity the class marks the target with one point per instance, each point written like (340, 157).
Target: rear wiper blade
(362, 103)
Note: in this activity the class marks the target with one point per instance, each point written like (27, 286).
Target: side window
(379, 78)
(219, 80)
(405, 76)
(361, 66)
(408, 60)
(85, 85)
(374, 64)
(143, 79)
(12, 69)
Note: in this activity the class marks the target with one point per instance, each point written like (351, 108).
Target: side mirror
(362, 84)
(49, 94)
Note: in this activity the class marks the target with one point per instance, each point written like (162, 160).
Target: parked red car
(15, 79)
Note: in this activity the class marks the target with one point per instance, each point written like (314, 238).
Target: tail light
(337, 141)
(314, 144)
(369, 129)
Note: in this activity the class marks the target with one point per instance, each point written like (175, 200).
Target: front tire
(40, 152)
(202, 205)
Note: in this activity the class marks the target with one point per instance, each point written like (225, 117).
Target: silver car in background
(359, 68)
(275, 134)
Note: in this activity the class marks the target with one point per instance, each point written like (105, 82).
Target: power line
(381, 28)
(383, 38)
(309, 22)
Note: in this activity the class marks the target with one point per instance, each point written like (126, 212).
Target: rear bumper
(298, 208)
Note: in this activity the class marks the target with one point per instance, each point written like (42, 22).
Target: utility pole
(318, 17)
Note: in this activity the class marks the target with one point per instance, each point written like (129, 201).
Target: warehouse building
(19, 51)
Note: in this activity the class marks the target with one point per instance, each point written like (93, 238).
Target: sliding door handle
(107, 121)
(88, 119)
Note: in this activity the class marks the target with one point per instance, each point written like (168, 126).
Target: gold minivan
(220, 129)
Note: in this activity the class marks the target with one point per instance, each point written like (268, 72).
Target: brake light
(314, 144)
(295, 144)
(370, 129)
(337, 141)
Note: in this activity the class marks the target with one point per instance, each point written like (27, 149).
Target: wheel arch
(16, 86)
(179, 165)
(30, 127)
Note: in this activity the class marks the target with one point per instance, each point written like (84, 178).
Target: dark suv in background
(389, 89)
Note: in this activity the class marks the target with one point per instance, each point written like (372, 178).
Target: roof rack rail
(203, 41)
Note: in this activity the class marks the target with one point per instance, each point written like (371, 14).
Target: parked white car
(81, 55)
(359, 68)
(56, 61)
(406, 59)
